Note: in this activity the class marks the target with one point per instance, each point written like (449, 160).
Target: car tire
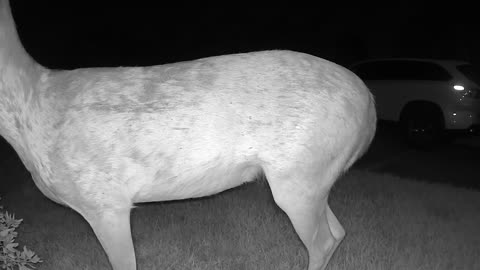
(422, 126)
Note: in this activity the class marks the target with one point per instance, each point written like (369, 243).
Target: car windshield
(471, 72)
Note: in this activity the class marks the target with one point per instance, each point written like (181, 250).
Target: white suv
(426, 96)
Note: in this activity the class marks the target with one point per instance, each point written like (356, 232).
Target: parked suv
(426, 96)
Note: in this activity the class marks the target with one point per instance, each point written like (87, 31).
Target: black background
(72, 34)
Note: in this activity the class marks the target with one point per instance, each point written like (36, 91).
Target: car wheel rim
(421, 131)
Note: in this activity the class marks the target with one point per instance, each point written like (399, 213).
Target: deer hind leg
(312, 218)
(336, 230)
(112, 229)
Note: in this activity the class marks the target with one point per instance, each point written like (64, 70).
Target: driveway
(456, 163)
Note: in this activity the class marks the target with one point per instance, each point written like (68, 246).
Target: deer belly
(197, 182)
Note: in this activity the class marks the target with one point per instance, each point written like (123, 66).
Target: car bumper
(462, 120)
(474, 130)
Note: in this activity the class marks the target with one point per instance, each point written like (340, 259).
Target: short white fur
(99, 140)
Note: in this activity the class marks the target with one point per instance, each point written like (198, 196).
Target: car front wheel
(422, 127)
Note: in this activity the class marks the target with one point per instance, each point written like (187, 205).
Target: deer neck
(19, 75)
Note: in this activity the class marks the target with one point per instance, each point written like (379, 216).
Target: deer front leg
(112, 228)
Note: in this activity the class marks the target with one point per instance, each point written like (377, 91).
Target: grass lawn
(391, 223)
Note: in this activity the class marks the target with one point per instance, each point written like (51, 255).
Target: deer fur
(99, 140)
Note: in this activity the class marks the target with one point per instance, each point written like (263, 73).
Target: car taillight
(466, 92)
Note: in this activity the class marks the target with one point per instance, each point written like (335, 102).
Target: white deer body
(101, 139)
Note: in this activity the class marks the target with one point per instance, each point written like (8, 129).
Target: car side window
(401, 70)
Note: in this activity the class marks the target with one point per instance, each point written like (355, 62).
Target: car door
(381, 77)
(394, 83)
(389, 97)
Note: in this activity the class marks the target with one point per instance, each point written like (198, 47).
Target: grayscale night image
(239, 135)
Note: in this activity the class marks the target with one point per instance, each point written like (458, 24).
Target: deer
(101, 140)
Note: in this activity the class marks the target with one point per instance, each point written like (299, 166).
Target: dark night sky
(85, 35)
